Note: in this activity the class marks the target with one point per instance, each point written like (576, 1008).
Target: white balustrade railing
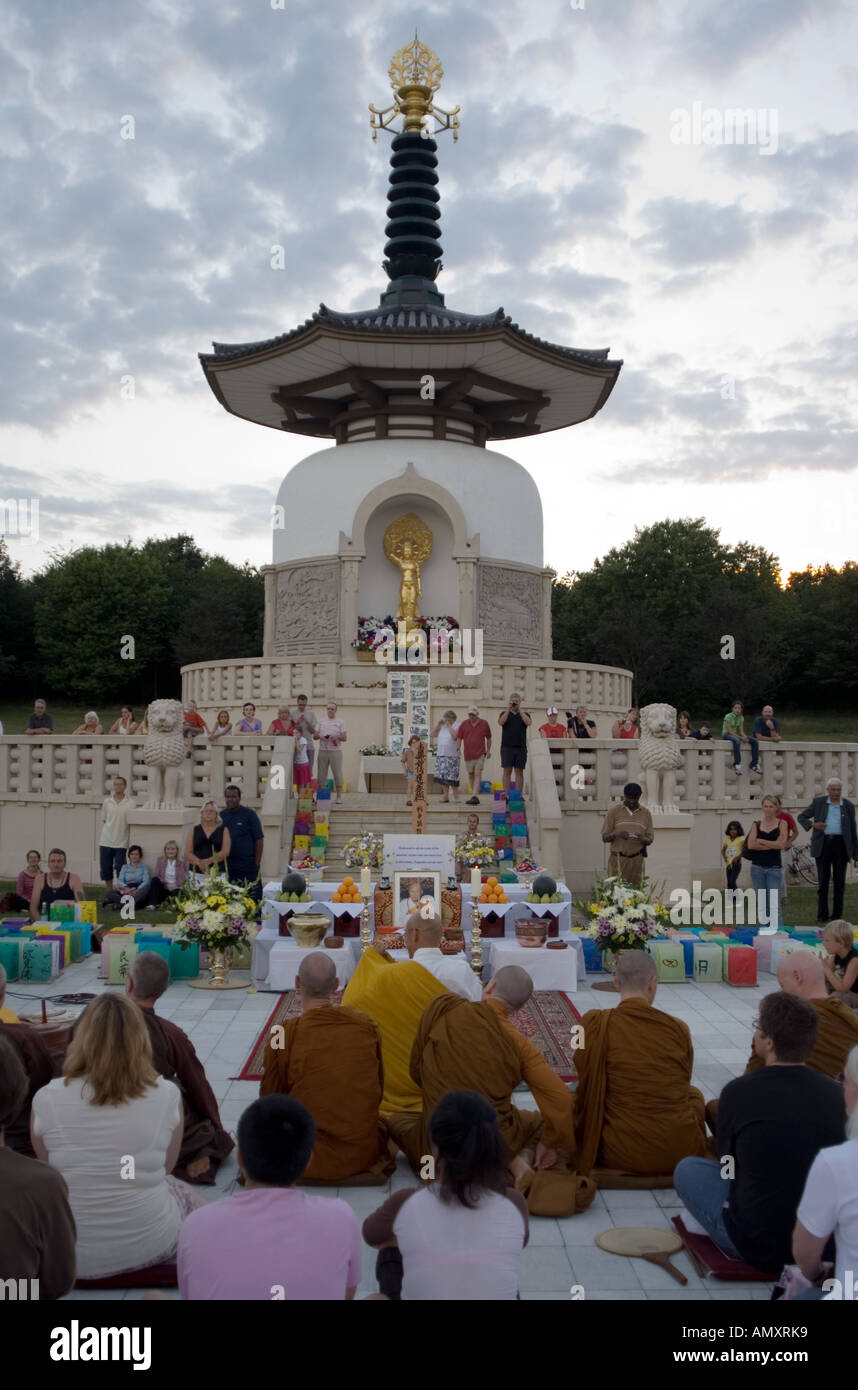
(591, 773)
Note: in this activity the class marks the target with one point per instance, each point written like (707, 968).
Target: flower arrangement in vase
(363, 849)
(624, 916)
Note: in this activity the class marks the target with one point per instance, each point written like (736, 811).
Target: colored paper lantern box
(322, 831)
(302, 827)
(505, 855)
(184, 961)
(301, 842)
(323, 794)
(11, 956)
(162, 946)
(87, 911)
(61, 912)
(63, 940)
(120, 953)
(39, 961)
(708, 961)
(592, 957)
(13, 924)
(517, 817)
(320, 842)
(485, 788)
(670, 959)
(741, 966)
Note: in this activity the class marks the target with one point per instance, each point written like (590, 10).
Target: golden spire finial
(415, 76)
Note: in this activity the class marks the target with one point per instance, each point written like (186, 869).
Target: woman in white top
(447, 755)
(461, 1236)
(222, 725)
(829, 1205)
(113, 1128)
(126, 723)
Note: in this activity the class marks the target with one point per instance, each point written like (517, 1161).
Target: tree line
(116, 622)
(664, 604)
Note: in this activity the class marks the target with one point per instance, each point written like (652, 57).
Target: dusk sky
(723, 274)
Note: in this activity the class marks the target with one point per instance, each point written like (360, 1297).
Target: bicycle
(801, 863)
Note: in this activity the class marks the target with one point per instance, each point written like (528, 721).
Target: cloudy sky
(579, 196)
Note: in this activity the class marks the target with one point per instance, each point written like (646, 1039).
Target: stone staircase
(386, 814)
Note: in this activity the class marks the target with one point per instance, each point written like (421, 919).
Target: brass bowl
(309, 928)
(531, 931)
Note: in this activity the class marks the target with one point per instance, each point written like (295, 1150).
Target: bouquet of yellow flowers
(215, 913)
(623, 915)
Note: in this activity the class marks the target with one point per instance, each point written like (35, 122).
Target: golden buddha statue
(408, 545)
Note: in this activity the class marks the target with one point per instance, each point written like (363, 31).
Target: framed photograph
(421, 730)
(396, 744)
(397, 725)
(397, 706)
(410, 890)
(419, 687)
(397, 688)
(418, 714)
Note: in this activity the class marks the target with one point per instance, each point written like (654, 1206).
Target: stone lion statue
(164, 755)
(659, 755)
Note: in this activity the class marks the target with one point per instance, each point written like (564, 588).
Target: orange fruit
(347, 881)
(491, 882)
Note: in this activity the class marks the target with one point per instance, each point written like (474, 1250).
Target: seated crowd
(105, 1159)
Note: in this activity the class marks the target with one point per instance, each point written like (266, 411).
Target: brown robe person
(466, 1046)
(627, 828)
(36, 1061)
(636, 1112)
(205, 1143)
(330, 1060)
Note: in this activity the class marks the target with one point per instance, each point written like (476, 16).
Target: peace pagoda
(408, 515)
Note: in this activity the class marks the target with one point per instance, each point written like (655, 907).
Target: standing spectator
(37, 1230)
(552, 728)
(447, 755)
(771, 1121)
(515, 724)
(832, 844)
(626, 728)
(126, 723)
(829, 1203)
(733, 730)
(222, 725)
(115, 832)
(683, 724)
(841, 968)
(475, 741)
(282, 724)
(766, 727)
(628, 829)
(91, 725)
(461, 1236)
(40, 722)
(578, 725)
(208, 842)
(703, 734)
(169, 877)
(19, 901)
(110, 1103)
(193, 725)
(331, 732)
(132, 881)
(305, 723)
(246, 841)
(731, 853)
(270, 1236)
(792, 835)
(766, 839)
(301, 762)
(248, 723)
(55, 886)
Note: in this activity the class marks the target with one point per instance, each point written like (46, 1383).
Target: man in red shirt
(475, 739)
(553, 728)
(193, 725)
(792, 828)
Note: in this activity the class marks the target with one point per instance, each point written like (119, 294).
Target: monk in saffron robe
(330, 1060)
(466, 1046)
(394, 993)
(801, 973)
(205, 1143)
(636, 1112)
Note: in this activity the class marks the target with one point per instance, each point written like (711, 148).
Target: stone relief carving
(307, 618)
(510, 611)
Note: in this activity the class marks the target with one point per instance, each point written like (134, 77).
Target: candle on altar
(365, 881)
(476, 882)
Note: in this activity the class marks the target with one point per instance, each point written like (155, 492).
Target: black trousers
(831, 864)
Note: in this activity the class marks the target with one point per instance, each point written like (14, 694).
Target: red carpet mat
(547, 1020)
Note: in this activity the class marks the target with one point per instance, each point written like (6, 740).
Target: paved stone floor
(561, 1253)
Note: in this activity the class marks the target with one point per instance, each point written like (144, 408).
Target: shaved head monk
(424, 932)
(394, 994)
(801, 973)
(329, 1059)
(205, 1143)
(474, 1046)
(636, 1112)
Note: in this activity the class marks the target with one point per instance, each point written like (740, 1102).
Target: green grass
(800, 910)
(798, 726)
(107, 916)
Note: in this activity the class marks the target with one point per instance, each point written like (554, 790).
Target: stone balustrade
(77, 769)
(590, 774)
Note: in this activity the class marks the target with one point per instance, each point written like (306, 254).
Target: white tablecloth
(518, 907)
(269, 928)
(547, 969)
(286, 956)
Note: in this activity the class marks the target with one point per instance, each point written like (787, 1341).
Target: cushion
(704, 1249)
(164, 1276)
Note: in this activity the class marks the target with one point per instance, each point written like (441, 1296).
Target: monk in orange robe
(636, 1112)
(466, 1046)
(394, 994)
(330, 1060)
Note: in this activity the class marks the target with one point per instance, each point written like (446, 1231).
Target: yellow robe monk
(330, 1061)
(838, 1034)
(636, 1112)
(7, 1016)
(395, 995)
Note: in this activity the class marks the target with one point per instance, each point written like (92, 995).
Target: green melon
(544, 884)
(294, 883)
